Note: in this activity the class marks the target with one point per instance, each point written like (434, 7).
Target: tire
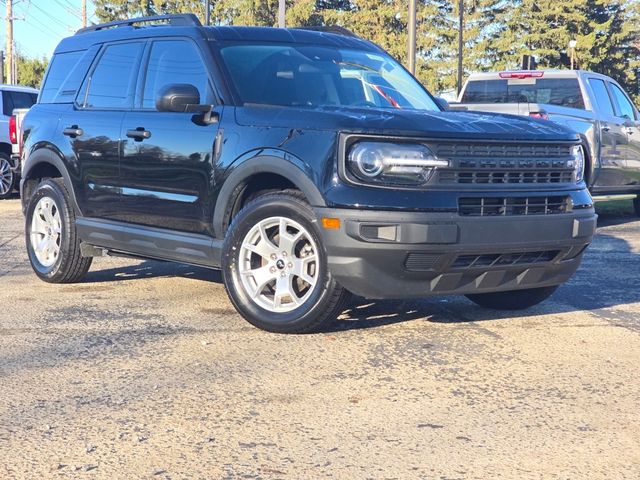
(513, 300)
(7, 177)
(50, 233)
(636, 205)
(276, 282)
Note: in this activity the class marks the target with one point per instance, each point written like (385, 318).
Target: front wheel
(513, 300)
(7, 177)
(275, 268)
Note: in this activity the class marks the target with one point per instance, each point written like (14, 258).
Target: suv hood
(449, 124)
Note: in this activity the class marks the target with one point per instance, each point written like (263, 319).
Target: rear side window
(602, 96)
(12, 100)
(110, 83)
(564, 92)
(60, 67)
(624, 104)
(174, 61)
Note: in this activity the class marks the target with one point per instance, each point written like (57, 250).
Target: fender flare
(48, 156)
(293, 169)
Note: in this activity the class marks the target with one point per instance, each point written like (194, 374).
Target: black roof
(141, 28)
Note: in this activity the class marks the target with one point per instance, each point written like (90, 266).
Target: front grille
(502, 150)
(504, 206)
(509, 163)
(501, 177)
(504, 259)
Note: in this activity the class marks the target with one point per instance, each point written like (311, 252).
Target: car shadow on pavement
(152, 269)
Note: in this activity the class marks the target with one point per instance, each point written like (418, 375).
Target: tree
(31, 70)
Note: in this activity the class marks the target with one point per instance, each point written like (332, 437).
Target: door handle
(629, 130)
(73, 131)
(605, 128)
(139, 134)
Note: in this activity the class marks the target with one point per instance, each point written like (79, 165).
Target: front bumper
(382, 254)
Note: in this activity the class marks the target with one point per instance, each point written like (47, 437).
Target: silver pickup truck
(13, 98)
(593, 105)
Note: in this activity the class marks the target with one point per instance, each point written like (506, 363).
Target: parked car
(12, 97)
(593, 105)
(305, 165)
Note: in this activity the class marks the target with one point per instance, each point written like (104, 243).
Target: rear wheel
(513, 300)
(52, 242)
(275, 267)
(7, 177)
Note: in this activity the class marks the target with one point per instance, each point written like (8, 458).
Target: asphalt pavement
(146, 371)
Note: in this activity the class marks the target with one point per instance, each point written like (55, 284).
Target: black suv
(304, 164)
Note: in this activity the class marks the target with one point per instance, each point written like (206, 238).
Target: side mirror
(442, 103)
(180, 97)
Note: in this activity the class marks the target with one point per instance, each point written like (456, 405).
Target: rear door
(626, 111)
(167, 178)
(93, 126)
(613, 138)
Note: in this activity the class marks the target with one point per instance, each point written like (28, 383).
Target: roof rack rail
(335, 29)
(177, 20)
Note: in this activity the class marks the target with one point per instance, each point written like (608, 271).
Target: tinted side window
(109, 85)
(625, 106)
(59, 68)
(602, 96)
(174, 61)
(7, 103)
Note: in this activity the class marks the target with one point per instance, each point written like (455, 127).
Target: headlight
(577, 162)
(392, 163)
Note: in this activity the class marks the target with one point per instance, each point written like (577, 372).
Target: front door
(93, 126)
(613, 139)
(167, 159)
(627, 112)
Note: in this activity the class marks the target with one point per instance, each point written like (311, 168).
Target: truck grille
(504, 259)
(504, 150)
(504, 206)
(511, 164)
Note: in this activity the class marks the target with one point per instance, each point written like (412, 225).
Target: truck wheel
(513, 300)
(275, 267)
(636, 205)
(52, 242)
(7, 177)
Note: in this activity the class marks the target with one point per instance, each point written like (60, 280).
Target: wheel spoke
(284, 290)
(263, 248)
(301, 269)
(262, 277)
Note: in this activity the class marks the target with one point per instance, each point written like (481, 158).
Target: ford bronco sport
(305, 165)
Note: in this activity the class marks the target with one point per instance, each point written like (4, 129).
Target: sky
(40, 24)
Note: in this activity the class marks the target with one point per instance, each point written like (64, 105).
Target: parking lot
(146, 371)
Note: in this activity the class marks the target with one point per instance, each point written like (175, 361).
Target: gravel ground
(146, 371)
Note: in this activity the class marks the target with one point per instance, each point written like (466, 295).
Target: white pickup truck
(593, 105)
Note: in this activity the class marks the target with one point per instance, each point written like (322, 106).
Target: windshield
(312, 76)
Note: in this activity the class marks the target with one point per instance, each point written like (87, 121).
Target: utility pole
(207, 12)
(84, 13)
(281, 12)
(411, 54)
(460, 42)
(9, 45)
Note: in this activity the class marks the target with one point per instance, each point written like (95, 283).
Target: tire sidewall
(261, 208)
(55, 193)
